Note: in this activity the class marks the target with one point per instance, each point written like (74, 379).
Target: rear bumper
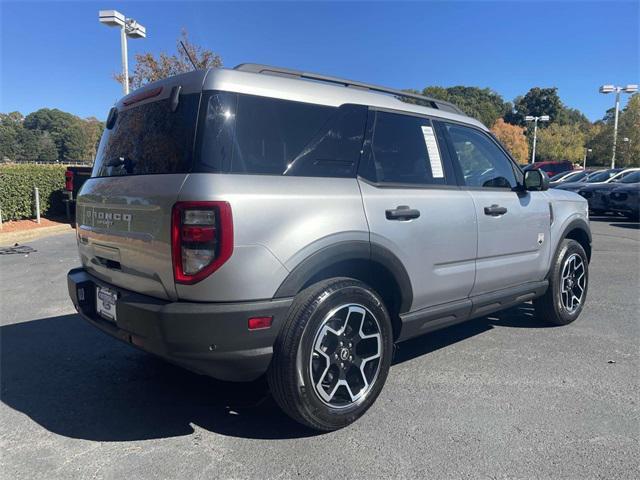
(208, 338)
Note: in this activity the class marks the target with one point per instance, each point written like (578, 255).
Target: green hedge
(16, 190)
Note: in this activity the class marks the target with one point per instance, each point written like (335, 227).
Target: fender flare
(347, 251)
(577, 223)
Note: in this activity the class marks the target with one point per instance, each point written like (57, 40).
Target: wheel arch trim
(343, 252)
(581, 225)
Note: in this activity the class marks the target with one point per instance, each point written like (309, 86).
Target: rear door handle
(495, 210)
(402, 212)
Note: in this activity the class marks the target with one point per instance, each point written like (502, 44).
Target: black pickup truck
(74, 178)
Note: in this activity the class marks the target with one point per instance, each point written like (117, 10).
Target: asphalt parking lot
(499, 397)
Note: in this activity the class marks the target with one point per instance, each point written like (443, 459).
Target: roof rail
(270, 70)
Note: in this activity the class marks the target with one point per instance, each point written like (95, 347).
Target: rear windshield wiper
(128, 163)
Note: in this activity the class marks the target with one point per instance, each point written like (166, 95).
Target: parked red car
(551, 168)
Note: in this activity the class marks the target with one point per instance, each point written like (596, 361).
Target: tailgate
(124, 236)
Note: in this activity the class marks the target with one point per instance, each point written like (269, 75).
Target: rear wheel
(333, 355)
(568, 285)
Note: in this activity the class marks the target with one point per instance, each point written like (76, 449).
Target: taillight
(201, 239)
(68, 181)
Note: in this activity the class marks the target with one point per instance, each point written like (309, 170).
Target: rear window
(260, 135)
(149, 139)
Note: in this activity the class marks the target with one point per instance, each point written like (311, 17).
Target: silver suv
(259, 220)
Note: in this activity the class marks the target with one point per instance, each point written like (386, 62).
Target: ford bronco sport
(259, 220)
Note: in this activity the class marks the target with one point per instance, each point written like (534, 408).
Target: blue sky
(56, 54)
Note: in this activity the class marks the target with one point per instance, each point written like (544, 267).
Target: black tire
(295, 360)
(552, 306)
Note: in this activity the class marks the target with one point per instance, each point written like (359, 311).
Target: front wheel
(568, 284)
(333, 355)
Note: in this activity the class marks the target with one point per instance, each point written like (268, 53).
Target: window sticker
(432, 150)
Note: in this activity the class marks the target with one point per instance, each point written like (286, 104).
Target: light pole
(530, 118)
(625, 140)
(586, 150)
(617, 90)
(128, 28)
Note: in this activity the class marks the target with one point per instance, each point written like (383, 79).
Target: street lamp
(128, 28)
(586, 150)
(530, 118)
(617, 90)
(626, 141)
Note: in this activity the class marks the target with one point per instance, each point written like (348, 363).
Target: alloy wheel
(572, 282)
(346, 355)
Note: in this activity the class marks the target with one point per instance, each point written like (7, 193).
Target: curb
(17, 237)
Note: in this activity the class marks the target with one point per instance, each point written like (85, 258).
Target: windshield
(631, 178)
(599, 177)
(580, 177)
(149, 139)
(576, 177)
(560, 175)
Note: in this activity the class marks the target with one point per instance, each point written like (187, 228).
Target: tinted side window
(481, 161)
(216, 132)
(335, 149)
(270, 133)
(260, 135)
(404, 150)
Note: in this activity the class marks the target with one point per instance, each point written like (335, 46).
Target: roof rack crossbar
(267, 69)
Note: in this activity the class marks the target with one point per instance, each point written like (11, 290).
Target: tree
(513, 138)
(537, 101)
(29, 145)
(150, 68)
(481, 103)
(65, 129)
(93, 129)
(15, 117)
(48, 135)
(74, 143)
(561, 142)
(600, 142)
(573, 116)
(47, 150)
(9, 129)
(628, 153)
(601, 137)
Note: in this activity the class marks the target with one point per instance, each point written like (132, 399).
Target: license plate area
(106, 303)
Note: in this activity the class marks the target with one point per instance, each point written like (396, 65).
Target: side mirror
(536, 181)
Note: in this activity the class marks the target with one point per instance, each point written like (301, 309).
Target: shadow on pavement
(521, 316)
(619, 219)
(633, 226)
(77, 382)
